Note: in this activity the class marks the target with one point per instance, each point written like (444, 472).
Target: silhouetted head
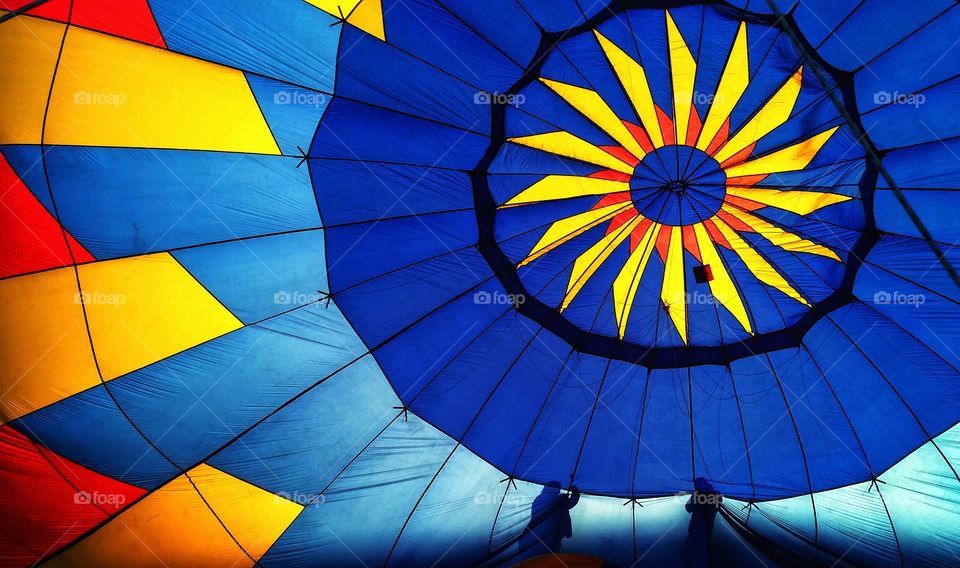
(701, 485)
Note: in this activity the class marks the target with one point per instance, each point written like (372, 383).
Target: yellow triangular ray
(569, 146)
(592, 105)
(628, 280)
(364, 14)
(721, 286)
(799, 202)
(181, 522)
(114, 92)
(733, 82)
(158, 310)
(683, 74)
(588, 262)
(772, 114)
(45, 352)
(566, 229)
(788, 159)
(368, 16)
(757, 265)
(634, 81)
(673, 292)
(778, 236)
(564, 187)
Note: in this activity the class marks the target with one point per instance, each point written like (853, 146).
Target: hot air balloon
(454, 283)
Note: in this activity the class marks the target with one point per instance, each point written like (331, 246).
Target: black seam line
(903, 401)
(915, 283)
(831, 32)
(933, 85)
(21, 10)
(496, 517)
(636, 455)
(915, 31)
(170, 251)
(874, 156)
(743, 429)
(312, 158)
(586, 429)
(893, 529)
(803, 453)
(263, 116)
(76, 271)
(919, 341)
(693, 105)
(694, 444)
(458, 445)
(536, 419)
(478, 34)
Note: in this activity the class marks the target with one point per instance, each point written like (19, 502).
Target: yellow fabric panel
(588, 262)
(569, 146)
(30, 47)
(255, 517)
(683, 74)
(368, 16)
(634, 81)
(799, 202)
(733, 82)
(564, 187)
(44, 346)
(627, 282)
(568, 228)
(592, 105)
(159, 310)
(788, 159)
(774, 112)
(673, 292)
(779, 237)
(757, 265)
(113, 92)
(721, 286)
(173, 527)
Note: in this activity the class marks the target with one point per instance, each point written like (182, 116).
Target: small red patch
(640, 135)
(621, 154)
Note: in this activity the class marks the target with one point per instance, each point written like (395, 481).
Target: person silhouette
(549, 520)
(703, 506)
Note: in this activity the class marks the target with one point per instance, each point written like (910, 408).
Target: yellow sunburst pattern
(707, 207)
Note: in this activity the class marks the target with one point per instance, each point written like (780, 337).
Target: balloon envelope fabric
(440, 282)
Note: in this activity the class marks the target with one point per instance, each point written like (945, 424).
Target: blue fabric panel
(374, 495)
(329, 425)
(89, 429)
(291, 112)
(192, 403)
(288, 41)
(147, 200)
(664, 458)
(261, 277)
